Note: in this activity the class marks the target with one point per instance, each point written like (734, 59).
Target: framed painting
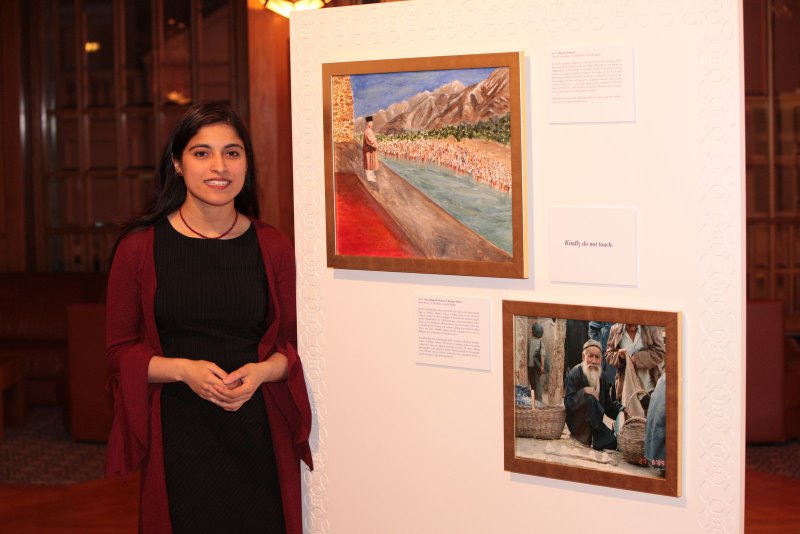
(423, 165)
(592, 395)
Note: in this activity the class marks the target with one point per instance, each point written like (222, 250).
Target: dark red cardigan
(132, 339)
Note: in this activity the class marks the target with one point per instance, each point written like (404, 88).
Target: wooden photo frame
(548, 437)
(437, 185)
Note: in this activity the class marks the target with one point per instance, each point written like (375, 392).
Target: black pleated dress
(211, 304)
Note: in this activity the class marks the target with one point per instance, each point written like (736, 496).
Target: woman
(210, 398)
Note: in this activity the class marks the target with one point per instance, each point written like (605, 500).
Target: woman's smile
(217, 183)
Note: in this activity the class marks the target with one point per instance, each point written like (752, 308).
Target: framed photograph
(423, 165)
(592, 395)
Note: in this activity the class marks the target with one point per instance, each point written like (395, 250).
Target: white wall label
(453, 331)
(592, 84)
(593, 245)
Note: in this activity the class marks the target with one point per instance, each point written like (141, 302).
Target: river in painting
(478, 206)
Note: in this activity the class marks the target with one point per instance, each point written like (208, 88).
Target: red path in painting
(363, 228)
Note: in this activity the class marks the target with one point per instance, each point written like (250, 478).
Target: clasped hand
(229, 391)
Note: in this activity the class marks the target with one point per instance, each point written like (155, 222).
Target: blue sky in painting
(374, 92)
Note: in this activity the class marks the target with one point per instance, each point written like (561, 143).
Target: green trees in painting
(496, 129)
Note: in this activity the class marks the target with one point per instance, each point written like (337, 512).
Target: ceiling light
(285, 7)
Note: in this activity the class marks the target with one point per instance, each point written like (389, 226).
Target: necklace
(220, 236)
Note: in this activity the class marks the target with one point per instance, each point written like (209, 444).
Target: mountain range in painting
(449, 105)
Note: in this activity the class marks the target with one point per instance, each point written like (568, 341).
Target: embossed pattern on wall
(310, 250)
(719, 452)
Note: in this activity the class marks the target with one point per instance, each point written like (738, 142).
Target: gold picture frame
(447, 194)
(535, 444)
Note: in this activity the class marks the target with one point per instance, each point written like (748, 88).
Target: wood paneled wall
(267, 109)
(12, 199)
(271, 113)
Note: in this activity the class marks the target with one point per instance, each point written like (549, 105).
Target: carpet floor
(42, 453)
(781, 459)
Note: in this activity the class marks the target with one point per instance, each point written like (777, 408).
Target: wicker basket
(546, 422)
(631, 440)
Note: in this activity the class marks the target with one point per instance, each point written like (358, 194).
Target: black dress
(211, 304)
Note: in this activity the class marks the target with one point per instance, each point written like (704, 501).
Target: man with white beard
(587, 398)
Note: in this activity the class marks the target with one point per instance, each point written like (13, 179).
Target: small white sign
(453, 331)
(594, 245)
(592, 84)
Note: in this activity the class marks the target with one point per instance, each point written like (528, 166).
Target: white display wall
(401, 447)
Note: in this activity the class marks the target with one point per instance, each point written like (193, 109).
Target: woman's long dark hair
(170, 188)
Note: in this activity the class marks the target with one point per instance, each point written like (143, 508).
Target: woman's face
(213, 165)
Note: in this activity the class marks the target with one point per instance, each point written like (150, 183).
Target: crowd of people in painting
(612, 370)
(449, 153)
